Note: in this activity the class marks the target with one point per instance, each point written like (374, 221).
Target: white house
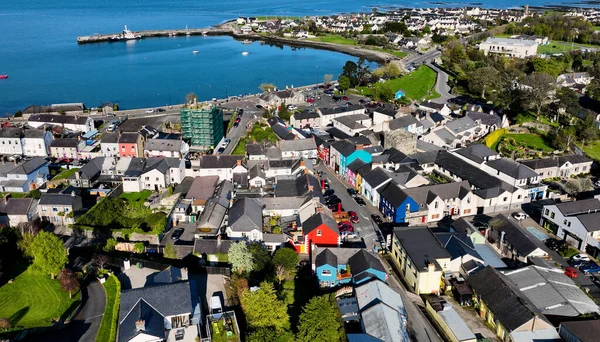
(283, 206)
(560, 166)
(305, 119)
(166, 148)
(518, 48)
(17, 211)
(576, 222)
(36, 142)
(10, 141)
(328, 114)
(382, 114)
(245, 220)
(223, 166)
(298, 148)
(23, 176)
(433, 107)
(109, 144)
(156, 174)
(70, 122)
(65, 148)
(372, 182)
(352, 124)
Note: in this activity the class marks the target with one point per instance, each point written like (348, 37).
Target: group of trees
(356, 73)
(556, 26)
(246, 258)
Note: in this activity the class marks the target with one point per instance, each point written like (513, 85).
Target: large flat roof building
(519, 48)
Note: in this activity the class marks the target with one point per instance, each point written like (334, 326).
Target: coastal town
(443, 186)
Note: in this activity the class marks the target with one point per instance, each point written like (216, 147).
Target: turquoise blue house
(328, 270)
(365, 267)
(395, 203)
(346, 154)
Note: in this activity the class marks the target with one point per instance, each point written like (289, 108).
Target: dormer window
(319, 233)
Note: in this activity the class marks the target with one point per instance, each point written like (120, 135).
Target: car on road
(310, 100)
(324, 184)
(519, 216)
(240, 112)
(590, 268)
(571, 272)
(235, 124)
(328, 192)
(336, 98)
(349, 235)
(377, 219)
(113, 126)
(221, 149)
(227, 140)
(352, 192)
(360, 201)
(580, 257)
(345, 98)
(238, 120)
(177, 233)
(292, 107)
(259, 106)
(149, 111)
(333, 201)
(160, 110)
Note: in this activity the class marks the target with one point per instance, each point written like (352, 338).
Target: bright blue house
(329, 271)
(347, 154)
(365, 267)
(395, 203)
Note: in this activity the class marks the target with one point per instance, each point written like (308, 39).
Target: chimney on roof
(302, 163)
(430, 267)
(239, 162)
(140, 325)
(218, 240)
(72, 193)
(359, 146)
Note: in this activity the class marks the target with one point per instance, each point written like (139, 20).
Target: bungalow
(509, 313)
(420, 258)
(131, 145)
(15, 212)
(559, 166)
(245, 220)
(145, 315)
(23, 176)
(59, 206)
(71, 122)
(66, 148)
(576, 222)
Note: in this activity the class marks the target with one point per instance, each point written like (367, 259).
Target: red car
(354, 219)
(238, 120)
(310, 100)
(571, 272)
(345, 98)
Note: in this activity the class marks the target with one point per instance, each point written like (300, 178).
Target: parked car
(240, 112)
(221, 149)
(345, 98)
(334, 208)
(359, 201)
(160, 110)
(349, 235)
(328, 192)
(259, 106)
(292, 107)
(556, 245)
(333, 201)
(149, 110)
(227, 141)
(177, 233)
(354, 219)
(571, 272)
(336, 98)
(590, 268)
(377, 219)
(519, 216)
(310, 100)
(352, 192)
(238, 120)
(580, 257)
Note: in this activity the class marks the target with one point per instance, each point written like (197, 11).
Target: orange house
(130, 145)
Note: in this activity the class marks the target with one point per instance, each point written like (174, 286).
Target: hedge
(108, 326)
(493, 137)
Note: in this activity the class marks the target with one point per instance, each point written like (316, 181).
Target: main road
(419, 327)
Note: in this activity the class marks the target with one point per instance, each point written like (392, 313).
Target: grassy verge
(533, 141)
(556, 46)
(34, 300)
(65, 174)
(416, 85)
(337, 39)
(108, 326)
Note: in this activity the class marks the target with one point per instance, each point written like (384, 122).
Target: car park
(177, 233)
(580, 257)
(519, 216)
(360, 201)
(571, 272)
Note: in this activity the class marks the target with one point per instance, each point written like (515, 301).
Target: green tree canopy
(49, 254)
(264, 310)
(319, 321)
(483, 79)
(287, 258)
(344, 83)
(260, 256)
(266, 87)
(240, 257)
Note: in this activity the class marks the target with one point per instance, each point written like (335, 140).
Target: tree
(240, 257)
(344, 83)
(190, 97)
(262, 335)
(264, 310)
(319, 321)
(260, 256)
(170, 252)
(540, 86)
(68, 281)
(327, 78)
(568, 101)
(100, 261)
(266, 87)
(427, 29)
(350, 70)
(49, 254)
(482, 80)
(286, 258)
(384, 92)
(284, 113)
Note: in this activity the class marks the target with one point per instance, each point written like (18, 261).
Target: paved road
(441, 85)
(421, 59)
(84, 327)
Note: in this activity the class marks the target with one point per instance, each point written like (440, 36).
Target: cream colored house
(518, 48)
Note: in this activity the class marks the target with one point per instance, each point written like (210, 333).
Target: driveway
(84, 327)
(441, 85)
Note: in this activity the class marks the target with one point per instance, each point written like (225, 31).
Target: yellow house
(506, 310)
(420, 259)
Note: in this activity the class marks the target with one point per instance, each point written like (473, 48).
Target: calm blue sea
(39, 52)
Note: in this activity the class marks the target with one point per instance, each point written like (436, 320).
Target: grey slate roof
(337, 110)
(306, 114)
(326, 257)
(281, 203)
(297, 145)
(213, 214)
(34, 133)
(552, 292)
(64, 142)
(544, 163)
(336, 133)
(590, 221)
(585, 331)
(458, 245)
(109, 138)
(476, 152)
(245, 215)
(212, 246)
(29, 166)
(458, 126)
(202, 187)
(91, 169)
(57, 199)
(579, 207)
(17, 206)
(505, 301)
(426, 194)
(169, 275)
(163, 145)
(521, 240)
(219, 162)
(363, 261)
(421, 246)
(403, 122)
(11, 132)
(376, 177)
(58, 119)
(128, 138)
(257, 149)
(393, 194)
(512, 168)
(485, 118)
(355, 165)
(345, 148)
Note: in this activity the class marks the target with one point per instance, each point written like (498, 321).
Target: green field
(65, 174)
(533, 141)
(336, 39)
(555, 46)
(592, 150)
(34, 300)
(416, 85)
(108, 326)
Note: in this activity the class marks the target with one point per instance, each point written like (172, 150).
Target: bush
(493, 137)
(108, 326)
(222, 257)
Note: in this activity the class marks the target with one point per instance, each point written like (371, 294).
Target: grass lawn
(108, 326)
(337, 39)
(65, 174)
(533, 141)
(592, 150)
(556, 46)
(136, 197)
(34, 300)
(259, 133)
(398, 54)
(416, 85)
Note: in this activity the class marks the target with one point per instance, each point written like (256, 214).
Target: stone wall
(405, 142)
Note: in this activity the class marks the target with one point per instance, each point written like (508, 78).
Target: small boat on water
(195, 52)
(3, 77)
(245, 53)
(246, 41)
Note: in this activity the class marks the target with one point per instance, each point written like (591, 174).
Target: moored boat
(3, 76)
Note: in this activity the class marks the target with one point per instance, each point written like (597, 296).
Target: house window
(66, 210)
(54, 209)
(436, 205)
(552, 215)
(519, 197)
(147, 178)
(505, 199)
(433, 217)
(325, 272)
(319, 233)
(43, 208)
(467, 211)
(569, 224)
(546, 212)
(565, 221)
(157, 179)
